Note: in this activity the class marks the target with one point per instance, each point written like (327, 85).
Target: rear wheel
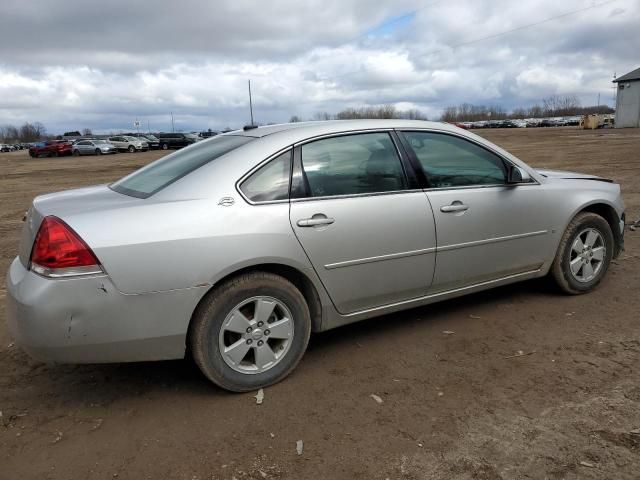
(165, 146)
(250, 332)
(584, 254)
(76, 153)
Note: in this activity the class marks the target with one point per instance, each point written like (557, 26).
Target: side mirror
(517, 175)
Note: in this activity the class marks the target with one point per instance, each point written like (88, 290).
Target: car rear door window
(450, 161)
(270, 182)
(351, 165)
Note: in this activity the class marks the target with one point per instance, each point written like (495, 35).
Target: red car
(54, 148)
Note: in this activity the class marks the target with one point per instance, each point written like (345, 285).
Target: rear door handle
(315, 221)
(454, 207)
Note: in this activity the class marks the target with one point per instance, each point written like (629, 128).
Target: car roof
(305, 130)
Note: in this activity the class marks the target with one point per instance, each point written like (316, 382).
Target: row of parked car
(530, 122)
(12, 147)
(104, 145)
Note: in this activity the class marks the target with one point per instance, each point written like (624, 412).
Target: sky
(103, 64)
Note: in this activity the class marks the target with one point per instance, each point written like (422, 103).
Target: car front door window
(449, 161)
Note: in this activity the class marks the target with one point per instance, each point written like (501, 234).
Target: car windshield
(154, 177)
(99, 141)
(191, 135)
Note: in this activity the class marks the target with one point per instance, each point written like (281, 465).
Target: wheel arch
(298, 278)
(609, 213)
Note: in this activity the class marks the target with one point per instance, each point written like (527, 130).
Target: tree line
(26, 133)
(384, 111)
(552, 106)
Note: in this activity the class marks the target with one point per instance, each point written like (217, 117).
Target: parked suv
(126, 143)
(53, 148)
(176, 140)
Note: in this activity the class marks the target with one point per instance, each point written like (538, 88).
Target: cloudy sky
(102, 64)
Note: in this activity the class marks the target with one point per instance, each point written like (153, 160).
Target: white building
(628, 100)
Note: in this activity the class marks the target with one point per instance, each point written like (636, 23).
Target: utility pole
(250, 103)
(173, 127)
(598, 99)
(148, 127)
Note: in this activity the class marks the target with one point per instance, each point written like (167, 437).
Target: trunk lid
(64, 204)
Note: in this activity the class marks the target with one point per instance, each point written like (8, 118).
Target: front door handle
(454, 207)
(315, 221)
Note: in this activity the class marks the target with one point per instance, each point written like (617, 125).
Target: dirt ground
(454, 405)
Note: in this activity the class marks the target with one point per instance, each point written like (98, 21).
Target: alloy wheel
(256, 335)
(587, 257)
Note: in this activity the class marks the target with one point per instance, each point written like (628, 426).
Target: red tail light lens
(59, 251)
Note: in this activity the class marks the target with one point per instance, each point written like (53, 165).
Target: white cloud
(302, 57)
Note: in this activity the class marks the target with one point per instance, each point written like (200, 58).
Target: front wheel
(98, 151)
(131, 149)
(250, 332)
(165, 146)
(584, 254)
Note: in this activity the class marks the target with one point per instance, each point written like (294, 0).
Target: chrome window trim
(478, 144)
(493, 185)
(356, 195)
(258, 167)
(345, 133)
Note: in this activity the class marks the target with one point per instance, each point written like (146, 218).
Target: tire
(98, 151)
(165, 146)
(207, 333)
(581, 226)
(131, 149)
(75, 153)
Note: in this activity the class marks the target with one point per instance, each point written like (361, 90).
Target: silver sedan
(237, 248)
(93, 147)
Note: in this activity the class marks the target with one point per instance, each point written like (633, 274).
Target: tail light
(58, 251)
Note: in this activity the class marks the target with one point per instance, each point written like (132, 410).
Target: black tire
(209, 316)
(131, 149)
(75, 153)
(560, 269)
(98, 151)
(165, 146)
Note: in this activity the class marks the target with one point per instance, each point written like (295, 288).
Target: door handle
(454, 207)
(315, 221)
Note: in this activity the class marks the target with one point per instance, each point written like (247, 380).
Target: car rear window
(157, 175)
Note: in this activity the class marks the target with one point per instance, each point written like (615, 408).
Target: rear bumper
(87, 320)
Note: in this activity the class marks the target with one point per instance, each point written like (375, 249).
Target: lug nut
(260, 342)
(249, 329)
(260, 324)
(267, 332)
(249, 342)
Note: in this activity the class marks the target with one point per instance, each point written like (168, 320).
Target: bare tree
(295, 119)
(86, 131)
(322, 116)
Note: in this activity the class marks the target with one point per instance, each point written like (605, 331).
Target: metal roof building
(628, 100)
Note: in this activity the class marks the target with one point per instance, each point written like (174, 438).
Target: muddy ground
(454, 405)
